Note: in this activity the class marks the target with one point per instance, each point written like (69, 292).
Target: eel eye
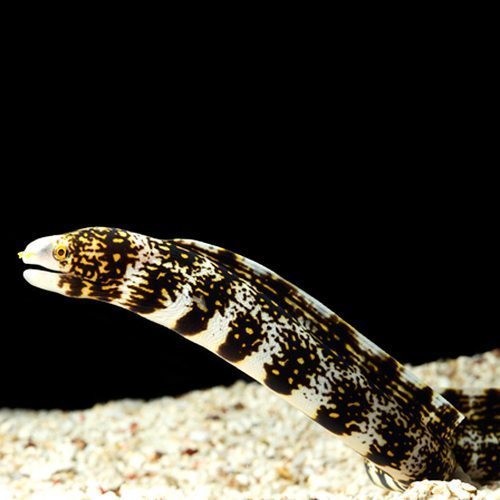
(60, 252)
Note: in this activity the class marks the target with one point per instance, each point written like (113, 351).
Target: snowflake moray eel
(287, 341)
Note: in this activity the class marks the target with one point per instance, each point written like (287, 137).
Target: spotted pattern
(476, 442)
(277, 334)
(478, 439)
(358, 387)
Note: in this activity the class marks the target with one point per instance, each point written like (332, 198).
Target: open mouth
(28, 258)
(44, 271)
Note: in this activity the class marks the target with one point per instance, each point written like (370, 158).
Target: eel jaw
(45, 280)
(39, 253)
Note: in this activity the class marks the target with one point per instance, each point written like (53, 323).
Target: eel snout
(40, 253)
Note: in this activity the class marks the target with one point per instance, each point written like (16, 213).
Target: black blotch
(72, 286)
(387, 373)
(243, 338)
(295, 365)
(349, 406)
(227, 257)
(195, 321)
(424, 396)
(213, 291)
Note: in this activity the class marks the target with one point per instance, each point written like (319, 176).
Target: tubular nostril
(24, 255)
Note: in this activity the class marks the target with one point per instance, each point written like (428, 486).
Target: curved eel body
(284, 339)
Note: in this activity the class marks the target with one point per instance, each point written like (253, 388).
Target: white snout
(39, 252)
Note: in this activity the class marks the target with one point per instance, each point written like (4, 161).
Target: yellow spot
(341, 389)
(324, 327)
(334, 415)
(311, 356)
(23, 255)
(290, 380)
(116, 257)
(117, 240)
(296, 372)
(249, 330)
(184, 255)
(243, 345)
(118, 271)
(336, 337)
(270, 289)
(350, 349)
(122, 233)
(300, 361)
(236, 335)
(276, 372)
(218, 303)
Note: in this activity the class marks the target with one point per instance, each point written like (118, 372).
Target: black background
(371, 189)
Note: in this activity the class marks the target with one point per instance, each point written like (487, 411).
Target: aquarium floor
(222, 443)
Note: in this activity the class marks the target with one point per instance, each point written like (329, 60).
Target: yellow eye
(60, 252)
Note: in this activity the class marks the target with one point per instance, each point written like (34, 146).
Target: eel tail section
(477, 440)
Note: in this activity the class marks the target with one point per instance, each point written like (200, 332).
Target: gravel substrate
(236, 442)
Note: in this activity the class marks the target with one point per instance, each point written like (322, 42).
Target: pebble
(232, 443)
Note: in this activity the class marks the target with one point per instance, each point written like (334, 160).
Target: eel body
(281, 337)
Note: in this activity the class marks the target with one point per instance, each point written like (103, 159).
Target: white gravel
(236, 442)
